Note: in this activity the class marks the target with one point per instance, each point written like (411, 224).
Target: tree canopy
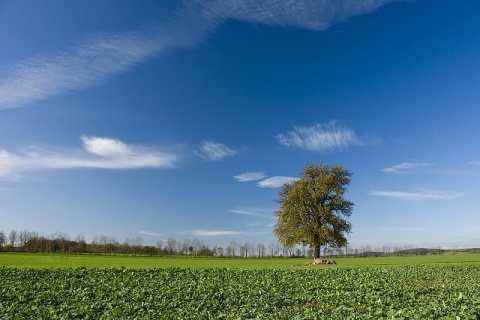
(313, 208)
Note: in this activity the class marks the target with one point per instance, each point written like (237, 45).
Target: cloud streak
(250, 176)
(91, 62)
(320, 138)
(305, 14)
(148, 233)
(253, 212)
(434, 195)
(406, 167)
(214, 151)
(98, 153)
(424, 167)
(84, 65)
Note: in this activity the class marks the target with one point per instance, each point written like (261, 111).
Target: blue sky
(182, 118)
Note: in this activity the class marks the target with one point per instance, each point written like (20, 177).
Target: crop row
(435, 292)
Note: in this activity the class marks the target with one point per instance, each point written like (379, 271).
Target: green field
(43, 286)
(40, 260)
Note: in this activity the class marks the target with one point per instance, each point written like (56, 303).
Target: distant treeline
(31, 241)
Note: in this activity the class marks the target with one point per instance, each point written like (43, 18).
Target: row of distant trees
(31, 241)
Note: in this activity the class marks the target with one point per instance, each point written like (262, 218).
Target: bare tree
(386, 250)
(126, 247)
(350, 251)
(249, 249)
(64, 242)
(338, 251)
(112, 245)
(278, 247)
(242, 252)
(23, 238)
(94, 244)
(228, 251)
(81, 244)
(286, 251)
(137, 245)
(246, 247)
(234, 246)
(102, 241)
(196, 244)
(271, 247)
(12, 238)
(159, 245)
(33, 242)
(171, 242)
(260, 249)
(183, 246)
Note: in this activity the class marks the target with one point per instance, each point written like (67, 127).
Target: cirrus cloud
(431, 194)
(255, 212)
(250, 176)
(214, 151)
(91, 62)
(406, 167)
(320, 137)
(306, 14)
(148, 233)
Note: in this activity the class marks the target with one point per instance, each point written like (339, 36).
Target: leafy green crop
(433, 292)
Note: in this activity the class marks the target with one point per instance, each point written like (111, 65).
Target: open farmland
(435, 291)
(41, 260)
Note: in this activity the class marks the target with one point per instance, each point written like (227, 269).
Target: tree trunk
(316, 252)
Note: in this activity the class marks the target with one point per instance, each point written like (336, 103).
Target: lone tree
(313, 208)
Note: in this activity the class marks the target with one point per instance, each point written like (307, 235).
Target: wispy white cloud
(243, 212)
(84, 65)
(250, 176)
(257, 218)
(255, 212)
(425, 167)
(148, 233)
(275, 182)
(307, 14)
(432, 194)
(91, 62)
(320, 138)
(99, 153)
(419, 229)
(212, 233)
(406, 167)
(214, 151)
